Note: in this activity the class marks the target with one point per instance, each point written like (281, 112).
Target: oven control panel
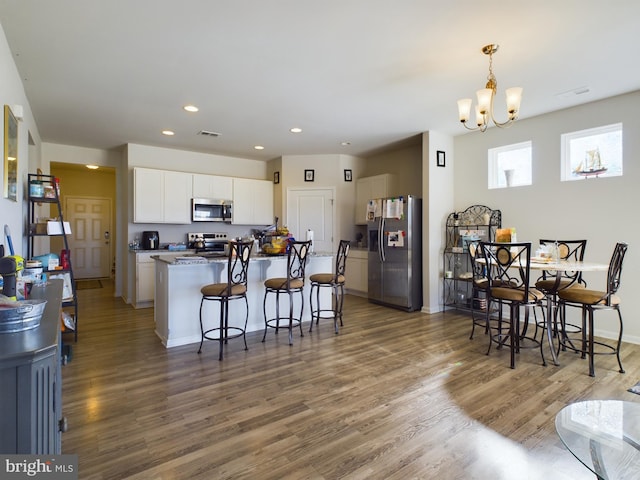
(195, 237)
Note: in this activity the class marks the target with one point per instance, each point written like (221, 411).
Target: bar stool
(508, 270)
(335, 281)
(233, 289)
(292, 283)
(590, 301)
(550, 282)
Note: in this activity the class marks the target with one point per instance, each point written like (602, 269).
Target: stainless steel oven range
(209, 244)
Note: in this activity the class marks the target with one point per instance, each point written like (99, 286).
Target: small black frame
(440, 158)
(308, 175)
(276, 177)
(348, 175)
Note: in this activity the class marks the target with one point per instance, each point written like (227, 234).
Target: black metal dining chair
(234, 288)
(508, 270)
(551, 281)
(590, 301)
(479, 290)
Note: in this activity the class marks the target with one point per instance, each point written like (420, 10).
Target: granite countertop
(171, 260)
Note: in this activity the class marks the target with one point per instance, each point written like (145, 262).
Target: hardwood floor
(395, 395)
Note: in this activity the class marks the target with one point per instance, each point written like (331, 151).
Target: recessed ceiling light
(92, 167)
(345, 144)
(296, 130)
(259, 147)
(168, 133)
(191, 108)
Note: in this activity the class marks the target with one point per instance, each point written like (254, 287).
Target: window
(592, 153)
(510, 165)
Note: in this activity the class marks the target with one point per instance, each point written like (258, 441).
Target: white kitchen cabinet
(367, 188)
(252, 202)
(145, 280)
(161, 196)
(212, 186)
(147, 195)
(356, 272)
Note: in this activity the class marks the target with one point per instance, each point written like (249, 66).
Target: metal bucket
(24, 316)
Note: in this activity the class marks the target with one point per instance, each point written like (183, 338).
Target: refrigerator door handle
(381, 240)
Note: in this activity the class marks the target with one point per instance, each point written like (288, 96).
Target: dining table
(557, 267)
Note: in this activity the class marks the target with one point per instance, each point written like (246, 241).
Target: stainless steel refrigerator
(395, 252)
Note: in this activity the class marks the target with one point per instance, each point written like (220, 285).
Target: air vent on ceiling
(208, 133)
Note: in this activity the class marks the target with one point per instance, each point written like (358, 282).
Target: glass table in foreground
(604, 435)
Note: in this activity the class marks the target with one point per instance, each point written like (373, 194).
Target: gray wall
(602, 210)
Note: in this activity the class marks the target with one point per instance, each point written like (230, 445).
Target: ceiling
(373, 73)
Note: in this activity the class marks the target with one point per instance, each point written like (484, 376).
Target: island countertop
(177, 298)
(172, 259)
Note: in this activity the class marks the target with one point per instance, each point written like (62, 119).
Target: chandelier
(484, 108)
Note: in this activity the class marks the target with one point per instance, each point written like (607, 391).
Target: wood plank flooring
(395, 395)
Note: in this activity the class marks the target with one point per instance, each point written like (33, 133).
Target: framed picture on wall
(440, 160)
(276, 177)
(308, 175)
(348, 176)
(10, 183)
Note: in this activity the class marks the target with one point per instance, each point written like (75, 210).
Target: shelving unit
(46, 191)
(477, 221)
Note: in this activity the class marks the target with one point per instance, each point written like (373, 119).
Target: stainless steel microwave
(210, 210)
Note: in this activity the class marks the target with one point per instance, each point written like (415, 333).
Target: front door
(90, 241)
(312, 209)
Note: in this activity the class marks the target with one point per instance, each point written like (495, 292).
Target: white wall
(602, 210)
(12, 93)
(437, 203)
(328, 172)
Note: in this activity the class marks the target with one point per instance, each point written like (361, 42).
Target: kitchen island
(177, 296)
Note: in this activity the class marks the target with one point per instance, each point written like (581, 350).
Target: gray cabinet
(31, 398)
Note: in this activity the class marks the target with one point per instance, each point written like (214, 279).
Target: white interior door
(90, 241)
(312, 209)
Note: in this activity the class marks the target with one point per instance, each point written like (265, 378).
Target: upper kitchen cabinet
(252, 202)
(212, 186)
(367, 188)
(161, 196)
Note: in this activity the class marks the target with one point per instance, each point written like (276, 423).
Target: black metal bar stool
(508, 270)
(292, 283)
(335, 281)
(234, 289)
(590, 301)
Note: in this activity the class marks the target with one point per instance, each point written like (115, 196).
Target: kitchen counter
(177, 294)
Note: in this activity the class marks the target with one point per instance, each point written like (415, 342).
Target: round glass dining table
(604, 435)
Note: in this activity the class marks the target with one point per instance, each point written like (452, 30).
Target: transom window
(592, 153)
(510, 165)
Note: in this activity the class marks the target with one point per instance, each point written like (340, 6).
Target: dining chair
(289, 285)
(508, 272)
(334, 281)
(234, 288)
(590, 301)
(551, 281)
(479, 285)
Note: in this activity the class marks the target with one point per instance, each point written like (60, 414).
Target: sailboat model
(592, 164)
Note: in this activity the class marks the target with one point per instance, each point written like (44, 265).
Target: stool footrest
(238, 333)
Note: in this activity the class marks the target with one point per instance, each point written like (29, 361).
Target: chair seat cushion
(516, 294)
(481, 283)
(588, 297)
(326, 278)
(549, 284)
(222, 290)
(281, 283)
